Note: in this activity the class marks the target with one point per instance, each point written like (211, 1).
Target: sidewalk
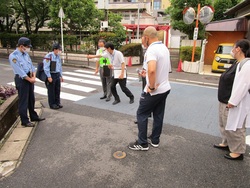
(13, 149)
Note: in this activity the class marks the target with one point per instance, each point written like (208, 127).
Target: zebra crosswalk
(78, 84)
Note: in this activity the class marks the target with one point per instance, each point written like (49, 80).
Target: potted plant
(186, 56)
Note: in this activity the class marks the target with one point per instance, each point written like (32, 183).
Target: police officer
(52, 66)
(105, 73)
(24, 79)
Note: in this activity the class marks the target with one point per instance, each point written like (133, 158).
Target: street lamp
(138, 21)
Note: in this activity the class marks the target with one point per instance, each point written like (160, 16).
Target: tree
(6, 16)
(78, 14)
(39, 13)
(221, 6)
(175, 12)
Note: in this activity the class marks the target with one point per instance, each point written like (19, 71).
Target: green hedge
(133, 49)
(186, 53)
(38, 41)
(108, 37)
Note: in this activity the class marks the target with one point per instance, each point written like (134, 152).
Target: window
(157, 5)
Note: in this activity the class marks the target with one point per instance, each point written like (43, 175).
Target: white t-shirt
(100, 51)
(116, 59)
(158, 52)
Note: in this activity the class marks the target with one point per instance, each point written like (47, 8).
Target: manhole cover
(119, 154)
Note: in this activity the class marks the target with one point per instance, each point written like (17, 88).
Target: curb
(15, 145)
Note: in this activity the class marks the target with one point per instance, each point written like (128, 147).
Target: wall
(217, 37)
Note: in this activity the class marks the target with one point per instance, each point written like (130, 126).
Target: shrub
(108, 37)
(186, 53)
(132, 49)
(38, 41)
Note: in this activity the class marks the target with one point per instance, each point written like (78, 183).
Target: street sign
(103, 4)
(61, 13)
(195, 33)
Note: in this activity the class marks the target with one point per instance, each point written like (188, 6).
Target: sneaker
(152, 144)
(136, 146)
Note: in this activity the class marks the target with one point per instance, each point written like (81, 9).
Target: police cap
(24, 41)
(56, 46)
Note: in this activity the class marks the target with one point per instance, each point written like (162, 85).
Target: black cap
(24, 41)
(56, 46)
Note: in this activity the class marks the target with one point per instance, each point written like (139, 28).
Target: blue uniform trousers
(26, 99)
(54, 89)
(151, 104)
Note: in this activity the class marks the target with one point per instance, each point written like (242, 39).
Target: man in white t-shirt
(118, 66)
(153, 99)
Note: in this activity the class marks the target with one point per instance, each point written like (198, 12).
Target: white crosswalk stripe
(67, 96)
(77, 84)
(89, 72)
(82, 75)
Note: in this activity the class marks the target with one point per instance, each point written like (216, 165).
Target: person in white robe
(239, 103)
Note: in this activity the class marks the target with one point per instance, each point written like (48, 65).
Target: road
(189, 106)
(74, 146)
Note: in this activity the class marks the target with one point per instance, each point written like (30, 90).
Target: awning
(143, 27)
(235, 24)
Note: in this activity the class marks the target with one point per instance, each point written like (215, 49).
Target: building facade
(151, 12)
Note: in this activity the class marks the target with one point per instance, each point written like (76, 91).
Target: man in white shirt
(118, 66)
(153, 99)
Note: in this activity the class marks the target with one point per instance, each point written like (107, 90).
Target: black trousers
(151, 104)
(122, 83)
(54, 89)
(26, 101)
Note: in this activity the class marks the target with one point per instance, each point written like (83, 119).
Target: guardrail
(66, 57)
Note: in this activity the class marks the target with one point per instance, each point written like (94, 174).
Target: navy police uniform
(23, 67)
(52, 66)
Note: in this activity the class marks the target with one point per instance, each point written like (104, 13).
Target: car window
(224, 49)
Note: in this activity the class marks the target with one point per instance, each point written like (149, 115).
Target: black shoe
(104, 97)
(240, 158)
(138, 147)
(60, 106)
(38, 119)
(108, 99)
(55, 107)
(221, 147)
(155, 145)
(29, 124)
(116, 102)
(131, 100)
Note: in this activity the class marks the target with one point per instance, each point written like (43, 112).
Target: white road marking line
(73, 87)
(98, 83)
(63, 95)
(77, 87)
(89, 72)
(85, 71)
(82, 75)
(248, 140)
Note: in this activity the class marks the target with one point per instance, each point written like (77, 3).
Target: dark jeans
(26, 99)
(122, 83)
(151, 104)
(54, 89)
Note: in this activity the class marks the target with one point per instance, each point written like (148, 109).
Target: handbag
(106, 71)
(40, 74)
